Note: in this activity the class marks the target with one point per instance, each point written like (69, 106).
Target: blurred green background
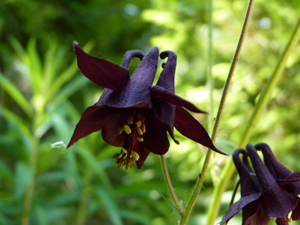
(43, 94)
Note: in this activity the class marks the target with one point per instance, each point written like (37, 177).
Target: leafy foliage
(43, 94)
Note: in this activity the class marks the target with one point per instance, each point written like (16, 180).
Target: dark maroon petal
(162, 94)
(156, 139)
(282, 221)
(166, 78)
(249, 185)
(296, 212)
(110, 129)
(239, 205)
(165, 113)
(143, 153)
(258, 218)
(294, 177)
(192, 129)
(102, 72)
(276, 201)
(93, 119)
(129, 55)
(136, 93)
(278, 170)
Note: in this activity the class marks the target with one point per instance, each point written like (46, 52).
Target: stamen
(144, 128)
(135, 155)
(140, 132)
(138, 123)
(140, 139)
(127, 129)
(289, 216)
(120, 130)
(130, 120)
(124, 150)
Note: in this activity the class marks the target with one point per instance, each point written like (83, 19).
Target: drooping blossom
(272, 201)
(131, 113)
(287, 180)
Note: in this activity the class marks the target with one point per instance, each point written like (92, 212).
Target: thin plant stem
(210, 80)
(262, 102)
(30, 187)
(169, 184)
(200, 180)
(233, 197)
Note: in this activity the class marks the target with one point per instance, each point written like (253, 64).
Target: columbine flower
(286, 179)
(271, 202)
(131, 113)
(250, 191)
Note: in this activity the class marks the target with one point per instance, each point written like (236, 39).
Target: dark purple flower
(286, 179)
(131, 113)
(271, 201)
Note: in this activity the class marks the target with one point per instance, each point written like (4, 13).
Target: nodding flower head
(262, 197)
(133, 114)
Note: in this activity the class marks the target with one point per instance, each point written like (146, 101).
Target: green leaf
(15, 93)
(109, 205)
(34, 64)
(73, 86)
(5, 173)
(67, 74)
(16, 121)
(22, 178)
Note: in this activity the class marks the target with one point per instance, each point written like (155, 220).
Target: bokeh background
(43, 94)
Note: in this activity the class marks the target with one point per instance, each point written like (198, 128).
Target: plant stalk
(200, 180)
(263, 100)
(169, 184)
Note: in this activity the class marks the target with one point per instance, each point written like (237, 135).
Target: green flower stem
(229, 168)
(210, 80)
(169, 184)
(200, 180)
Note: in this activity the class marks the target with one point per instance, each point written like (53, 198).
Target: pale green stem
(30, 187)
(169, 184)
(83, 202)
(263, 100)
(210, 80)
(200, 180)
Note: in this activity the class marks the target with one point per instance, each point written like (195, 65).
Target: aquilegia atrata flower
(286, 179)
(131, 113)
(259, 204)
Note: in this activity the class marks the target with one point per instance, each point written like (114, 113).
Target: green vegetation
(43, 94)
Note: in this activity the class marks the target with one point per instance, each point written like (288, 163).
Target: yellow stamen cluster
(126, 158)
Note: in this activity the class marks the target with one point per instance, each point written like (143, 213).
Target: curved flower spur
(131, 113)
(286, 179)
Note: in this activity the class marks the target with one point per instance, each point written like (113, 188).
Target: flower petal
(165, 113)
(102, 72)
(254, 214)
(166, 78)
(143, 153)
(156, 139)
(93, 119)
(136, 93)
(129, 55)
(192, 129)
(162, 94)
(239, 205)
(276, 201)
(249, 185)
(110, 129)
(296, 212)
(278, 170)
